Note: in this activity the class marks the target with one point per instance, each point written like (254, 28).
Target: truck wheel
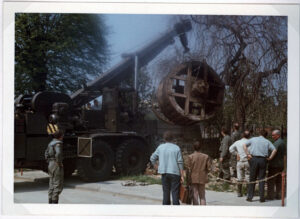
(131, 157)
(99, 166)
(69, 167)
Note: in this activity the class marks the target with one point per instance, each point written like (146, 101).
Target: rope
(252, 182)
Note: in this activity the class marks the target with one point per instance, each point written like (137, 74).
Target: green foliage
(58, 52)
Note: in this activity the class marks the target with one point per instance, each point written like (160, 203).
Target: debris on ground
(129, 183)
(134, 183)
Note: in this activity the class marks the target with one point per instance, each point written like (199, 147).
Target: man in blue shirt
(258, 156)
(170, 167)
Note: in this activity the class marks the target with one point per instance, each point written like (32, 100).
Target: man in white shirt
(242, 165)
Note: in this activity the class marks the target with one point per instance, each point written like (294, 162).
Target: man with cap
(54, 157)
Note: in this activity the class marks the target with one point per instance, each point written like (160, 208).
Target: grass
(219, 187)
(140, 178)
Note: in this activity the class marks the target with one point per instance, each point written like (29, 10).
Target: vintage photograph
(151, 109)
(79, 123)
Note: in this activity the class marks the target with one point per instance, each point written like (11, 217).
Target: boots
(240, 192)
(55, 201)
(50, 201)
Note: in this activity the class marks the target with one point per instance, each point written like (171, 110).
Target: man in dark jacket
(275, 166)
(225, 155)
(198, 165)
(54, 157)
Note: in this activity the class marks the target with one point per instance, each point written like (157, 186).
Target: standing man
(54, 157)
(276, 165)
(258, 157)
(170, 167)
(224, 154)
(96, 105)
(242, 166)
(235, 136)
(198, 167)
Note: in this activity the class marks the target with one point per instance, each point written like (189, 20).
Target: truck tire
(131, 157)
(99, 166)
(69, 167)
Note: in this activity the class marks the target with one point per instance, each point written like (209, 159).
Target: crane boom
(122, 70)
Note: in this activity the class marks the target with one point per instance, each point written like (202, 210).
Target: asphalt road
(32, 187)
(37, 192)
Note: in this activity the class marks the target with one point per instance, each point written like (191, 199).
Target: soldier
(235, 136)
(54, 158)
(225, 155)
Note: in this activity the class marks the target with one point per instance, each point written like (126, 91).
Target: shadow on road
(30, 186)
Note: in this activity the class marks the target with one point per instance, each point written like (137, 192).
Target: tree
(58, 52)
(250, 52)
(250, 55)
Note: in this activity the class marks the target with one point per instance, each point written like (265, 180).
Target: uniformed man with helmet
(54, 158)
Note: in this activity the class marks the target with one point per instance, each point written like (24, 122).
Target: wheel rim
(98, 161)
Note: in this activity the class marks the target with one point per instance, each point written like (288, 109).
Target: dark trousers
(258, 167)
(170, 184)
(274, 183)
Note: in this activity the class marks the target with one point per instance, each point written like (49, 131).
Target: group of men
(253, 156)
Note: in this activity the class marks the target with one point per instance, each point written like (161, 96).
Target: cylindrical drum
(191, 93)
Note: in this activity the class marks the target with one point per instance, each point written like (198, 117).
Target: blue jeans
(170, 184)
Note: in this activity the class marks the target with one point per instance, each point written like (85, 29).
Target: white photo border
(291, 210)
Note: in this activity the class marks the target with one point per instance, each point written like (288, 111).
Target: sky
(130, 32)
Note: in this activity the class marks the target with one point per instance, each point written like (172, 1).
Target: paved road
(36, 192)
(32, 188)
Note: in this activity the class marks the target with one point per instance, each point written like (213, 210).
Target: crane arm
(122, 70)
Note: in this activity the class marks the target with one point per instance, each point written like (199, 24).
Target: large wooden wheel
(191, 93)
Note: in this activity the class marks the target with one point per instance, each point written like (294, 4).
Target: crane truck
(95, 141)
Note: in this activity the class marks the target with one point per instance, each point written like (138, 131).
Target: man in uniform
(170, 167)
(276, 165)
(235, 136)
(258, 156)
(242, 166)
(54, 157)
(225, 155)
